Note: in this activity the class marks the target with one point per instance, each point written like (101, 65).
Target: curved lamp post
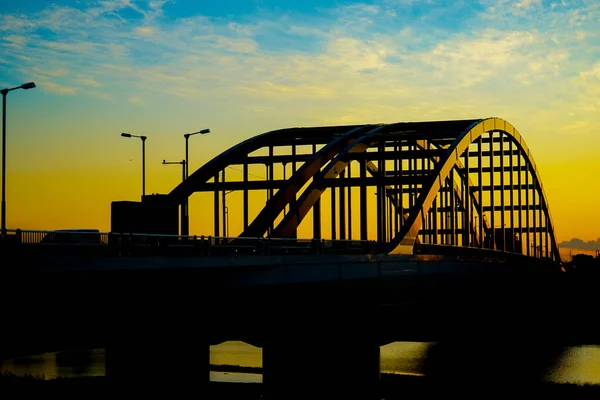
(187, 136)
(28, 85)
(129, 135)
(185, 217)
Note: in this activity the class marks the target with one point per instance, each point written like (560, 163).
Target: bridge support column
(332, 358)
(506, 364)
(147, 360)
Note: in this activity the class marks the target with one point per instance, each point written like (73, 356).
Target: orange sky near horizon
(160, 73)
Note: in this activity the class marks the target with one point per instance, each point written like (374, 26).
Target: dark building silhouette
(154, 214)
(512, 246)
(585, 263)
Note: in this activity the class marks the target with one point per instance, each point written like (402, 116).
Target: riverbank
(392, 387)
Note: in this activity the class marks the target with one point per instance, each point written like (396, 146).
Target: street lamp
(28, 85)
(129, 135)
(184, 228)
(187, 136)
(185, 220)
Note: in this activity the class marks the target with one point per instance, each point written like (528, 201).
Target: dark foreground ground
(392, 387)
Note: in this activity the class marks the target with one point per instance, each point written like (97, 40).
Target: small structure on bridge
(155, 214)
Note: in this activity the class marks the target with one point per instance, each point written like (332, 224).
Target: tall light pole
(28, 85)
(187, 136)
(185, 219)
(129, 135)
(183, 163)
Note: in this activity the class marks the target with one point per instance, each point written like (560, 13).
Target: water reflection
(57, 365)
(579, 364)
(404, 358)
(238, 377)
(236, 353)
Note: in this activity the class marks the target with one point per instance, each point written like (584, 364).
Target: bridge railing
(133, 244)
(60, 238)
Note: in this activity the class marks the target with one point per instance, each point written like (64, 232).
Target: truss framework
(470, 183)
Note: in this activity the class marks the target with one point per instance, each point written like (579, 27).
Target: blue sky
(164, 68)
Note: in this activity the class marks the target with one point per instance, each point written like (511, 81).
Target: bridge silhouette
(469, 183)
(439, 231)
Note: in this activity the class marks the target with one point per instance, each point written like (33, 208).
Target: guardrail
(132, 244)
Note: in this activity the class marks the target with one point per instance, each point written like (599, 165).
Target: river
(579, 364)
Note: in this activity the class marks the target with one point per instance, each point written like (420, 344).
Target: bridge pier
(506, 364)
(157, 342)
(320, 368)
(321, 354)
(152, 362)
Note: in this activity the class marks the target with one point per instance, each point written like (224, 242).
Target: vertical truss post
(419, 172)
(442, 214)
(502, 211)
(381, 193)
(453, 214)
(547, 220)
(533, 220)
(363, 200)
(541, 226)
(397, 217)
(271, 172)
(294, 201)
(412, 174)
(271, 178)
(342, 206)
(493, 212)
(286, 207)
(527, 225)
(316, 210)
(434, 221)
(480, 182)
(391, 217)
(245, 194)
(520, 198)
(432, 210)
(216, 211)
(467, 201)
(349, 200)
(223, 194)
(333, 211)
(448, 211)
(512, 192)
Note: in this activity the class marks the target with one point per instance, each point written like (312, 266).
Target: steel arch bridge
(469, 183)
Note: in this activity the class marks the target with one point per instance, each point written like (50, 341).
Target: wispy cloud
(388, 53)
(136, 100)
(144, 31)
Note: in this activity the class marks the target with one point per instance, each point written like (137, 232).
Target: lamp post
(129, 135)
(184, 231)
(28, 85)
(187, 137)
(185, 220)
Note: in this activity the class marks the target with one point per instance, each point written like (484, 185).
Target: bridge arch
(409, 233)
(457, 183)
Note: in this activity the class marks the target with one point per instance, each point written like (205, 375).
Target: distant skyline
(164, 68)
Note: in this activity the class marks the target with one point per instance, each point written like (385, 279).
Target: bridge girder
(441, 182)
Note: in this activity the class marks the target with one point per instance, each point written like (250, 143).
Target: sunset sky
(164, 68)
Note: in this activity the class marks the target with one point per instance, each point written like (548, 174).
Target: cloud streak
(340, 58)
(348, 56)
